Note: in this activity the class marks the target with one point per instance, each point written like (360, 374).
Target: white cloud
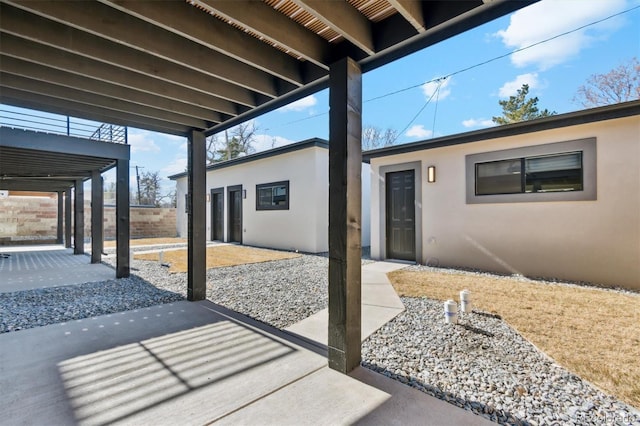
(430, 88)
(477, 123)
(178, 165)
(300, 104)
(264, 142)
(510, 88)
(418, 131)
(175, 138)
(549, 18)
(142, 142)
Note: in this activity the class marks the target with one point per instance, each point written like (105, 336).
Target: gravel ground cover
(485, 366)
(34, 308)
(481, 365)
(280, 293)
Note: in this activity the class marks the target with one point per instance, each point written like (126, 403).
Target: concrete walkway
(199, 363)
(380, 304)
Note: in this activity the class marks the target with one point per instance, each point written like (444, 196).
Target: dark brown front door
(401, 215)
(217, 214)
(235, 214)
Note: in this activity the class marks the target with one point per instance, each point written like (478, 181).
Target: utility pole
(138, 181)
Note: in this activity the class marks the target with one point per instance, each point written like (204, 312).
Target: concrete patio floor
(200, 363)
(27, 268)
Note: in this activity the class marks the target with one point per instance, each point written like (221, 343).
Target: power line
(488, 61)
(479, 64)
(440, 81)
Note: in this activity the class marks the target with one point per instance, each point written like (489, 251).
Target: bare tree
(231, 144)
(167, 200)
(373, 137)
(150, 188)
(621, 84)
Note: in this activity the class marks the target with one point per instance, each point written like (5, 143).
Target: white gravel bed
(280, 293)
(485, 366)
(34, 308)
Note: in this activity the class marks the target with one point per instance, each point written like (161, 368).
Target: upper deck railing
(61, 125)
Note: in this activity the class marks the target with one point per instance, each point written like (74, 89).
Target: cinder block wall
(36, 218)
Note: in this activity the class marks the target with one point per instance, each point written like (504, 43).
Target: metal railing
(27, 119)
(110, 133)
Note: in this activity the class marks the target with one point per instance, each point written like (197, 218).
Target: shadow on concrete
(176, 363)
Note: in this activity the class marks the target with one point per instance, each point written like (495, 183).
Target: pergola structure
(198, 67)
(33, 161)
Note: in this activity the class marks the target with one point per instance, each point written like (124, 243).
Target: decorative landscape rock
(485, 366)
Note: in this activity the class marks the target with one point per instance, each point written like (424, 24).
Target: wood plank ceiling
(174, 66)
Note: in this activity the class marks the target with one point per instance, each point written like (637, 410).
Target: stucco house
(277, 198)
(557, 197)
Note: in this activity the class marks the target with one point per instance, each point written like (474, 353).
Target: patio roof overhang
(206, 65)
(31, 161)
(198, 67)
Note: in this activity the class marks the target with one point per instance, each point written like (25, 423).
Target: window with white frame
(272, 196)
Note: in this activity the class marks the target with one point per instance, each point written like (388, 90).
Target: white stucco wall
(304, 226)
(181, 216)
(596, 241)
(366, 205)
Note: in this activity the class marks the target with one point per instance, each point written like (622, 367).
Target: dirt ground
(218, 256)
(148, 242)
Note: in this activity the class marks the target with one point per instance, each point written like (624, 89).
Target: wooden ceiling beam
(343, 19)
(92, 99)
(189, 22)
(40, 102)
(412, 11)
(36, 53)
(38, 72)
(59, 36)
(275, 26)
(102, 21)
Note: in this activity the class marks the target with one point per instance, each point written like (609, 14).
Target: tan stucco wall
(304, 226)
(595, 241)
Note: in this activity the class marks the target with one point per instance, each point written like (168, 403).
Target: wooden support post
(67, 218)
(78, 218)
(122, 219)
(60, 224)
(197, 212)
(97, 217)
(345, 200)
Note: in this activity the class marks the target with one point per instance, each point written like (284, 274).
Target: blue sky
(466, 101)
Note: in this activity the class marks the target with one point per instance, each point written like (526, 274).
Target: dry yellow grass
(219, 256)
(594, 333)
(148, 241)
